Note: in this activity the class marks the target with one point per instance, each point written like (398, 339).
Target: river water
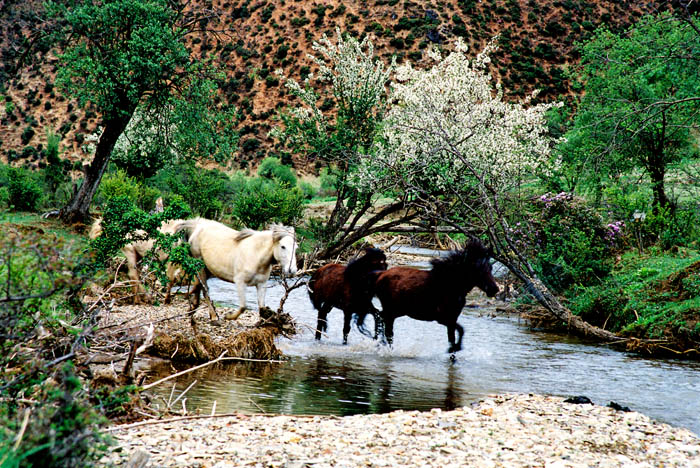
(500, 354)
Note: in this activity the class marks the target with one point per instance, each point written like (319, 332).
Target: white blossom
(448, 127)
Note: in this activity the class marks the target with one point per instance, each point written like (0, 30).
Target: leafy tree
(126, 54)
(641, 102)
(341, 133)
(457, 152)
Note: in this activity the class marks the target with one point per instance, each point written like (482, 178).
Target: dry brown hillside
(537, 41)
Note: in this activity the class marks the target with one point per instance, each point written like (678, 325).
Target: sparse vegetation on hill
(253, 39)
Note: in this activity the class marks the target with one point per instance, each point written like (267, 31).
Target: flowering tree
(453, 148)
(343, 135)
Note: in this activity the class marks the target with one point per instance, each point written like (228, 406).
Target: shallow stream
(500, 354)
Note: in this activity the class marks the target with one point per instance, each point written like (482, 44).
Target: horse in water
(136, 250)
(242, 257)
(348, 288)
(438, 294)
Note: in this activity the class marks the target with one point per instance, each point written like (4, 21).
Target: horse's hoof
(233, 315)
(216, 323)
(453, 358)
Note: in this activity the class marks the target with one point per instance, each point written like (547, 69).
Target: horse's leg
(173, 272)
(322, 322)
(261, 290)
(347, 317)
(194, 291)
(361, 321)
(389, 329)
(241, 301)
(454, 347)
(132, 265)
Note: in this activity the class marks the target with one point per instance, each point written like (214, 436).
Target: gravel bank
(501, 431)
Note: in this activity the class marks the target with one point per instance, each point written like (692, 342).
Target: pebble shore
(500, 431)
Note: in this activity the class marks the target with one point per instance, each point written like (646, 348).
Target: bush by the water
(43, 325)
(569, 242)
(652, 295)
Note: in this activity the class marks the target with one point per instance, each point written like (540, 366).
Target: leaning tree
(128, 54)
(460, 153)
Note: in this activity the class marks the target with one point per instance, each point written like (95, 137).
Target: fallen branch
(191, 369)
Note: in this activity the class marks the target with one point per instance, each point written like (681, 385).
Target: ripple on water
(500, 355)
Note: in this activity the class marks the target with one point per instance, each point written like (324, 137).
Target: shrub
(250, 144)
(273, 169)
(206, 192)
(568, 241)
(118, 184)
(27, 134)
(308, 189)
(329, 183)
(262, 201)
(43, 274)
(23, 189)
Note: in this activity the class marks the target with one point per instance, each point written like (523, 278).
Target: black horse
(438, 294)
(348, 288)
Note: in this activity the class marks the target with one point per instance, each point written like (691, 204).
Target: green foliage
(22, 187)
(273, 169)
(647, 296)
(568, 241)
(307, 188)
(261, 202)
(207, 192)
(640, 102)
(55, 173)
(119, 184)
(329, 182)
(132, 47)
(43, 275)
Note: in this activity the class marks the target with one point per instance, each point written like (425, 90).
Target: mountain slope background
(250, 40)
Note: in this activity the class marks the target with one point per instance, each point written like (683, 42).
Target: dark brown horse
(348, 288)
(438, 294)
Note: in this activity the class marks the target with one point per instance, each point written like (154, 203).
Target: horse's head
(285, 248)
(375, 259)
(483, 277)
(470, 266)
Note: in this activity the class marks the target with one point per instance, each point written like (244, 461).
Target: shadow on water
(500, 355)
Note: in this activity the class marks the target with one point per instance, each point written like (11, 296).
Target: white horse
(242, 257)
(135, 251)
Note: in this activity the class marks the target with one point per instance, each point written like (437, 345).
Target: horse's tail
(95, 229)
(187, 226)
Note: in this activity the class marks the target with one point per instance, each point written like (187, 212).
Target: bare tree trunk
(352, 234)
(78, 208)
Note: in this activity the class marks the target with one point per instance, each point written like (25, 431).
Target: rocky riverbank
(501, 431)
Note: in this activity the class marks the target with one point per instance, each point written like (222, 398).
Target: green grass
(34, 221)
(654, 296)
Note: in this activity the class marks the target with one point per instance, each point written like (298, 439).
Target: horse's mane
(278, 232)
(460, 260)
(361, 266)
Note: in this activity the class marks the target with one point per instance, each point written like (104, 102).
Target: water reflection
(500, 355)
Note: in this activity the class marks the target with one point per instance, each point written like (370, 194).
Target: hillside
(537, 41)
